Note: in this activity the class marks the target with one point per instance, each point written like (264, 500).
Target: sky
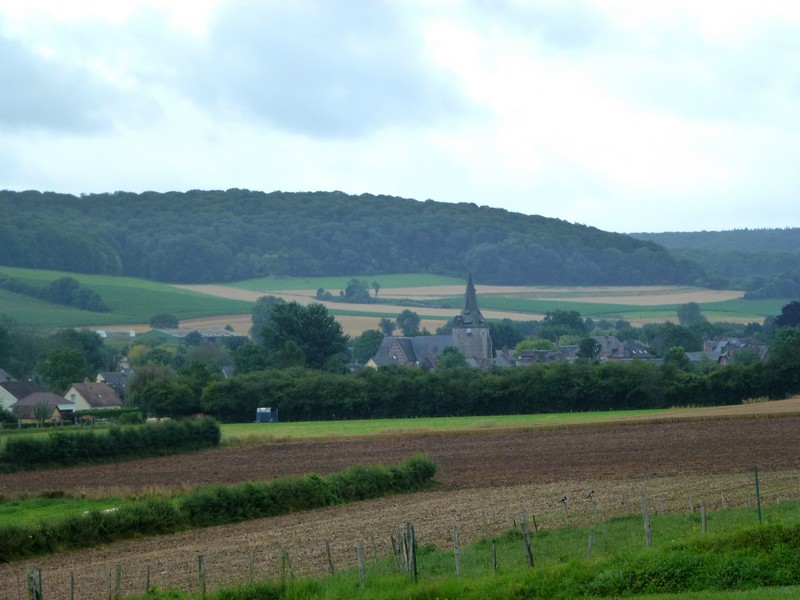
(629, 116)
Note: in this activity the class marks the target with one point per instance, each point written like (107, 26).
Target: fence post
(648, 534)
(34, 583)
(758, 496)
(361, 574)
(201, 573)
(331, 568)
(526, 539)
(703, 516)
(412, 551)
(456, 551)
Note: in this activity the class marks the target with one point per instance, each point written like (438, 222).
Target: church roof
(470, 315)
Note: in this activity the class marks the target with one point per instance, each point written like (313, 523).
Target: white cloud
(615, 113)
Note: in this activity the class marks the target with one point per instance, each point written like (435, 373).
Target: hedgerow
(62, 448)
(215, 505)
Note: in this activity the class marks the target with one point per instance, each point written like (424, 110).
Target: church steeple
(471, 315)
(470, 329)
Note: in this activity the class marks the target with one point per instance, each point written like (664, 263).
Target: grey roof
(98, 395)
(422, 350)
(20, 389)
(4, 376)
(26, 408)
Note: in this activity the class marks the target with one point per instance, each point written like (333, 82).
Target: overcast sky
(626, 115)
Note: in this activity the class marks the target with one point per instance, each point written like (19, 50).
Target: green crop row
(216, 505)
(62, 448)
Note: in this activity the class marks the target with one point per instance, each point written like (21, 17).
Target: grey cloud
(43, 94)
(329, 68)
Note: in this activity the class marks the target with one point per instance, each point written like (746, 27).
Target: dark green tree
(386, 326)
(62, 367)
(408, 322)
(250, 357)
(690, 313)
(790, 315)
(588, 348)
(451, 358)
(311, 329)
(366, 345)
(164, 321)
(376, 287)
(262, 311)
(357, 291)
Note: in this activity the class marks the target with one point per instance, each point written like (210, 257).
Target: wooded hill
(217, 236)
(764, 262)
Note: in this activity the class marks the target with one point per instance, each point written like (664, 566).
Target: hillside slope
(218, 236)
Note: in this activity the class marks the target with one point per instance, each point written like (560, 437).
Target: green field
(131, 301)
(135, 301)
(234, 433)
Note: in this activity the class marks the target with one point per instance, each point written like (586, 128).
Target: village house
(42, 406)
(12, 392)
(92, 396)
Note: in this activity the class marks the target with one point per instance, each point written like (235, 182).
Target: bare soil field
(488, 478)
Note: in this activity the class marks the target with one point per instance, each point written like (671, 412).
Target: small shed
(266, 415)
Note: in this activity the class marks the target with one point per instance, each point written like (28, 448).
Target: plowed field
(488, 479)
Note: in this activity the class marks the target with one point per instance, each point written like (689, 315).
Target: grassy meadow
(135, 301)
(238, 433)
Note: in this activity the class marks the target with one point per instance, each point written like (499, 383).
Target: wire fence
(321, 541)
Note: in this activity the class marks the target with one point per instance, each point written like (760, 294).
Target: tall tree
(790, 315)
(262, 313)
(62, 367)
(311, 329)
(408, 322)
(366, 345)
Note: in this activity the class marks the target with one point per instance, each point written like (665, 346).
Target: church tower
(471, 331)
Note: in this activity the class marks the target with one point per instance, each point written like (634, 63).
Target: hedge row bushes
(217, 505)
(64, 448)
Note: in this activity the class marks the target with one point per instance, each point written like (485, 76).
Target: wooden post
(331, 568)
(494, 557)
(526, 539)
(147, 581)
(648, 534)
(250, 561)
(374, 547)
(703, 518)
(591, 543)
(34, 583)
(201, 573)
(397, 555)
(286, 565)
(456, 551)
(72, 585)
(117, 582)
(758, 496)
(412, 551)
(361, 574)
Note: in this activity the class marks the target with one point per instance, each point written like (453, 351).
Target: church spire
(471, 315)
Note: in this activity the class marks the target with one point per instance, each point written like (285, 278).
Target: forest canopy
(216, 236)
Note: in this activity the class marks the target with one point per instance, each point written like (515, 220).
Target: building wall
(473, 342)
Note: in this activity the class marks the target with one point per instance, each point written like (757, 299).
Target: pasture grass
(50, 506)
(131, 301)
(736, 558)
(714, 311)
(237, 433)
